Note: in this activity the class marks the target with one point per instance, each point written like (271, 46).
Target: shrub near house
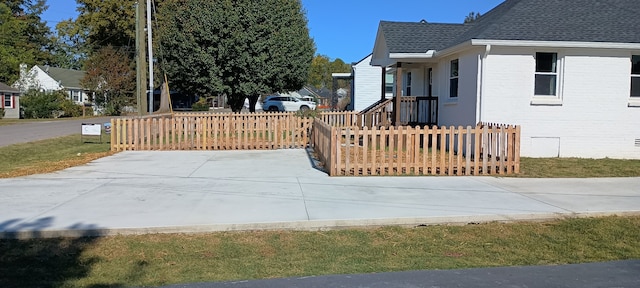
(37, 104)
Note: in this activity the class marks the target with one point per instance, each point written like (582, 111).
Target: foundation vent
(638, 142)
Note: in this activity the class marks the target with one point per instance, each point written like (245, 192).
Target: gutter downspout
(481, 71)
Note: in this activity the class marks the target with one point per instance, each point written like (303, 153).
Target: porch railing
(418, 110)
(378, 114)
(414, 110)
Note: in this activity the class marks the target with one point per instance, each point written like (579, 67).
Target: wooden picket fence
(341, 141)
(208, 131)
(403, 150)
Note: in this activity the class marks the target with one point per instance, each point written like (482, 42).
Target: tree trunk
(236, 102)
(253, 100)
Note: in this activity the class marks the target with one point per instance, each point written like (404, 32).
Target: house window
(546, 74)
(408, 85)
(635, 76)
(7, 101)
(75, 95)
(453, 79)
(388, 83)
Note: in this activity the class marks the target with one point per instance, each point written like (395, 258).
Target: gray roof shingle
(616, 21)
(67, 77)
(7, 88)
(417, 37)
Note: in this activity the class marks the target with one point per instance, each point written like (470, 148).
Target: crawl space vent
(638, 142)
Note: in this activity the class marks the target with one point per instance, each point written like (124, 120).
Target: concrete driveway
(197, 191)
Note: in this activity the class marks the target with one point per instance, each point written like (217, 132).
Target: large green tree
(111, 76)
(321, 69)
(105, 22)
(70, 48)
(241, 48)
(24, 37)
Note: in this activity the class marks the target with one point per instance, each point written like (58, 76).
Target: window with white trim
(546, 74)
(635, 76)
(453, 79)
(7, 101)
(75, 95)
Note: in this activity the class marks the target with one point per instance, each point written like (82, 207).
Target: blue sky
(346, 29)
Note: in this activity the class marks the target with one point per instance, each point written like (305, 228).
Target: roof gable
(66, 77)
(368, 58)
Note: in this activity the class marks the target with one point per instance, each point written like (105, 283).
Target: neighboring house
(49, 79)
(10, 101)
(366, 86)
(568, 72)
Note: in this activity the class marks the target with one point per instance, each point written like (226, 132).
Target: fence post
(516, 145)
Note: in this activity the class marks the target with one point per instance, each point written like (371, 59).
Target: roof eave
(393, 58)
(556, 44)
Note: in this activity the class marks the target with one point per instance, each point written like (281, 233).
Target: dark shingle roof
(614, 21)
(412, 37)
(7, 88)
(67, 77)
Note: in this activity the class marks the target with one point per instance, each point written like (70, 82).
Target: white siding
(593, 120)
(460, 110)
(367, 83)
(41, 80)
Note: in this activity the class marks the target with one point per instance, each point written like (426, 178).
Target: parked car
(286, 103)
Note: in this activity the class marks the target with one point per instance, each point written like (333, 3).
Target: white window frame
(4, 101)
(634, 100)
(553, 100)
(454, 76)
(73, 96)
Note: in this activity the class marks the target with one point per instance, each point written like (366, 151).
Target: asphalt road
(618, 274)
(39, 130)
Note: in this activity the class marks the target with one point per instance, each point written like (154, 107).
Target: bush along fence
(481, 150)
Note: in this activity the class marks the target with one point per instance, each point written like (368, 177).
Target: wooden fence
(480, 150)
(207, 131)
(340, 143)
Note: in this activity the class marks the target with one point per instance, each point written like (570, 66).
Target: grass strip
(161, 259)
(50, 155)
(578, 168)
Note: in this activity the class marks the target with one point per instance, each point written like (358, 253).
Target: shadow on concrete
(29, 259)
(314, 161)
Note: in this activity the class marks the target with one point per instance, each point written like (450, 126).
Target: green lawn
(160, 259)
(50, 155)
(578, 168)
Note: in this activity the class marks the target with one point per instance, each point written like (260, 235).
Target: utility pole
(150, 40)
(141, 76)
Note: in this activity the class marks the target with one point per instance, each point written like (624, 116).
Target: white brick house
(566, 71)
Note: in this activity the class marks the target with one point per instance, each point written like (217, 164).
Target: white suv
(286, 103)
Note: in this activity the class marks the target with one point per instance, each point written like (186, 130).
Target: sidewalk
(200, 191)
